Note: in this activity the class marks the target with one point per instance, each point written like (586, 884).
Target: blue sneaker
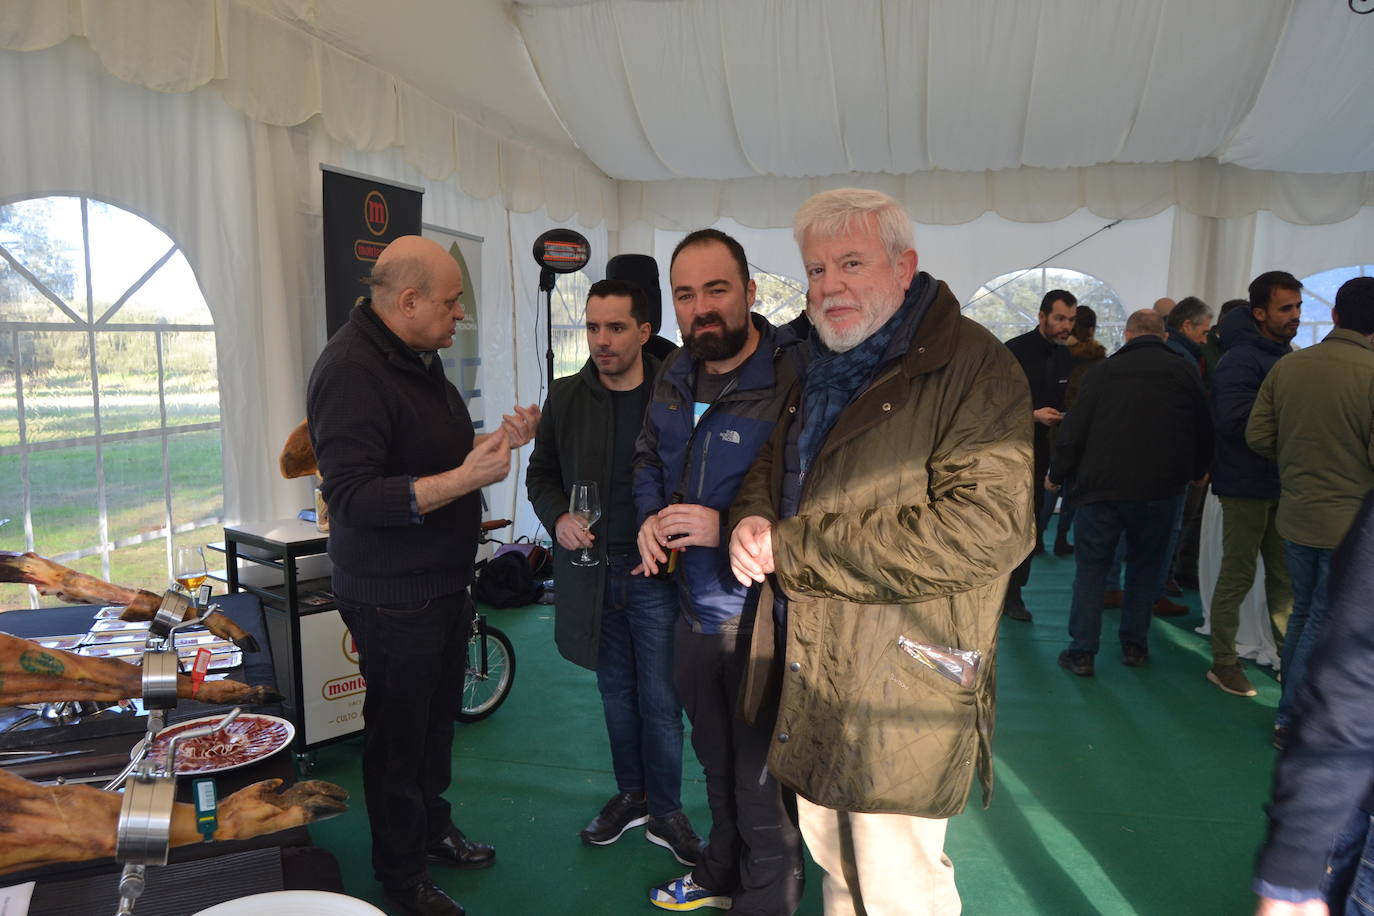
(685, 894)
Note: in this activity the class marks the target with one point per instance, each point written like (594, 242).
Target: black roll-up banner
(361, 216)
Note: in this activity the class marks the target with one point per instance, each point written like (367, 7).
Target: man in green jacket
(617, 624)
(885, 517)
(1314, 414)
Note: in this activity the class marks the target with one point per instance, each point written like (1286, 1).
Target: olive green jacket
(1314, 415)
(911, 519)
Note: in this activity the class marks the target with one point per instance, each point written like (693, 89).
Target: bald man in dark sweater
(402, 472)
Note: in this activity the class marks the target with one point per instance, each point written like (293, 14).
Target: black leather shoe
(674, 833)
(1080, 663)
(457, 851)
(623, 811)
(1016, 610)
(425, 899)
(1134, 656)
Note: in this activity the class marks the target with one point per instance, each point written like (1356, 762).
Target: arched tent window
(778, 298)
(569, 323)
(1009, 304)
(110, 436)
(1319, 296)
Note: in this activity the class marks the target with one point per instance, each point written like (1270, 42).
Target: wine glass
(189, 570)
(585, 508)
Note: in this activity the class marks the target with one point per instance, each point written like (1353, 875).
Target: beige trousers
(880, 864)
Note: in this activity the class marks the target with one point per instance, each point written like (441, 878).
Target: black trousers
(754, 850)
(1021, 574)
(413, 658)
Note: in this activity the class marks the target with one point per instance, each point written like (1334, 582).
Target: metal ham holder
(150, 783)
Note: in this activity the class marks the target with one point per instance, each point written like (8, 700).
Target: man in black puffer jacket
(1252, 340)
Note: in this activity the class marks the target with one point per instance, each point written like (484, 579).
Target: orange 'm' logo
(375, 212)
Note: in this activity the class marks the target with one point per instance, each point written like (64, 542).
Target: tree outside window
(110, 434)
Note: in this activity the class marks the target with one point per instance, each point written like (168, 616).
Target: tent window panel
(1318, 298)
(170, 296)
(192, 379)
(129, 395)
(95, 492)
(570, 323)
(63, 501)
(59, 400)
(1009, 304)
(44, 261)
(193, 461)
(778, 298)
(135, 500)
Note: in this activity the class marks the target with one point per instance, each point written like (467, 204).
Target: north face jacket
(911, 518)
(706, 463)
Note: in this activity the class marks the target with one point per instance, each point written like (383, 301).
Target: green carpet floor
(1135, 791)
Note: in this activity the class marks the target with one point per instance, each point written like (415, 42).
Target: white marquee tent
(1229, 136)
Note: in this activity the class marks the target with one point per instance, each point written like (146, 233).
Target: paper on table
(14, 901)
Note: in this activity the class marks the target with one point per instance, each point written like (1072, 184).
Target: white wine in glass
(189, 570)
(585, 508)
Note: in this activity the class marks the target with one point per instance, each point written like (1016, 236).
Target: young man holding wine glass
(714, 405)
(605, 619)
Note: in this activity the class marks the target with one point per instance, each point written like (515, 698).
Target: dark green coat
(911, 519)
(575, 442)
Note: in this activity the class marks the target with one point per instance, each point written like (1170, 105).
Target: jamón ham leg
(51, 578)
(30, 673)
(43, 825)
(298, 454)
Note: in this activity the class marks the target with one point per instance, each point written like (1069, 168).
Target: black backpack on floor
(507, 580)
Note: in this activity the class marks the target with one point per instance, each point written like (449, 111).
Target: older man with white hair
(883, 520)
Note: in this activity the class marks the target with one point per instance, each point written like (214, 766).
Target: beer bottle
(667, 570)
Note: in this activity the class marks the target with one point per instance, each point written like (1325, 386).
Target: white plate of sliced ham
(246, 740)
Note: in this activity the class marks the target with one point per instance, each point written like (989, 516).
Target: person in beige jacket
(885, 516)
(1314, 415)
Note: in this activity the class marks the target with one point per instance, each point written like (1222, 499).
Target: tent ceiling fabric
(722, 89)
(697, 109)
(284, 62)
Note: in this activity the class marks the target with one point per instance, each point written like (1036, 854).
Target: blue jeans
(1146, 525)
(1308, 567)
(1114, 571)
(634, 672)
(1349, 883)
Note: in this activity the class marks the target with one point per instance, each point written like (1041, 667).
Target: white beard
(871, 317)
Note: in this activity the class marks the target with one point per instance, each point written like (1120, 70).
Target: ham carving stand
(150, 782)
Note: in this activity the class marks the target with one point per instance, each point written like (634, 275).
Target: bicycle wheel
(484, 694)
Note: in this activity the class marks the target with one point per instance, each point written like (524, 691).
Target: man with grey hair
(1188, 324)
(883, 520)
(402, 473)
(1138, 433)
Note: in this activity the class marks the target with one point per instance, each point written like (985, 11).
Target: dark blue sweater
(379, 417)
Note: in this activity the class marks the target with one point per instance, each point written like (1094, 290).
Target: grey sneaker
(674, 833)
(1232, 679)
